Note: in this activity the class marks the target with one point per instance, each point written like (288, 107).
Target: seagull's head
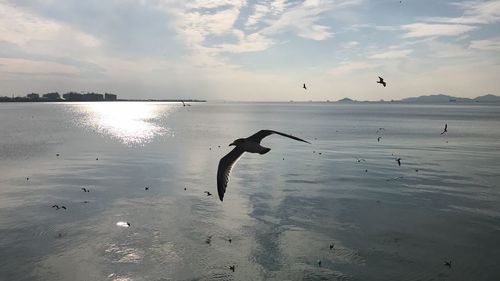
(237, 142)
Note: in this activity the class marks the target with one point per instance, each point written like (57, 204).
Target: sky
(246, 50)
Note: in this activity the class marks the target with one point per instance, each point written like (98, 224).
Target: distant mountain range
(438, 99)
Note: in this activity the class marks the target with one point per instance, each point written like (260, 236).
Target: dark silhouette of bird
(319, 263)
(85, 202)
(331, 246)
(57, 154)
(208, 193)
(183, 104)
(209, 239)
(304, 86)
(128, 224)
(378, 139)
(250, 144)
(63, 207)
(56, 206)
(27, 179)
(84, 189)
(399, 161)
(231, 267)
(360, 159)
(230, 240)
(416, 170)
(447, 263)
(185, 188)
(96, 159)
(146, 188)
(445, 129)
(381, 81)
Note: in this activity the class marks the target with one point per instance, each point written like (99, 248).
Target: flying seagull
(304, 86)
(242, 145)
(399, 161)
(381, 81)
(447, 263)
(331, 246)
(84, 189)
(378, 139)
(231, 267)
(445, 129)
(208, 193)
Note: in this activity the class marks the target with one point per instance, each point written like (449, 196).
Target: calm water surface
(282, 209)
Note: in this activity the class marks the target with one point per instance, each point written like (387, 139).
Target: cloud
(486, 44)
(474, 12)
(429, 29)
(349, 67)
(395, 54)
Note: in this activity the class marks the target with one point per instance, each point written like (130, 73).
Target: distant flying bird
(97, 159)
(63, 207)
(230, 240)
(242, 145)
(381, 81)
(185, 188)
(331, 246)
(447, 263)
(304, 86)
(360, 159)
(84, 189)
(208, 193)
(27, 179)
(445, 129)
(231, 267)
(209, 239)
(378, 139)
(57, 154)
(399, 161)
(146, 188)
(319, 263)
(55, 206)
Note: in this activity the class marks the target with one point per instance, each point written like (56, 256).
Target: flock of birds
(250, 144)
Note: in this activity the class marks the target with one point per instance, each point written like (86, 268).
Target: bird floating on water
(208, 193)
(445, 129)
(250, 144)
(381, 81)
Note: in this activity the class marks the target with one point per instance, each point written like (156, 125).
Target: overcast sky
(251, 50)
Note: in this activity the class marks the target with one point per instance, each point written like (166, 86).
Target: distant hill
(436, 99)
(487, 98)
(346, 100)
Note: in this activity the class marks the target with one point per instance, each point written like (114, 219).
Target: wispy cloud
(487, 44)
(393, 54)
(430, 29)
(349, 67)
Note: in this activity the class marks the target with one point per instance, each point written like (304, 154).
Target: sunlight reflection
(129, 122)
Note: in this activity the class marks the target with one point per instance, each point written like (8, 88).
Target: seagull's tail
(264, 150)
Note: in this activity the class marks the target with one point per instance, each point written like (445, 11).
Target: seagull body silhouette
(378, 139)
(331, 246)
(445, 129)
(304, 86)
(447, 263)
(381, 81)
(146, 188)
(231, 267)
(242, 145)
(84, 189)
(208, 193)
(399, 161)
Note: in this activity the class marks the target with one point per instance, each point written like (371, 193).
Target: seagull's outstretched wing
(380, 79)
(257, 137)
(225, 165)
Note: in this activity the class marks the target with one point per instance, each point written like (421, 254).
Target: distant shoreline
(118, 100)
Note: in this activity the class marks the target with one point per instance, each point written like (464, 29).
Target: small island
(433, 99)
(81, 97)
